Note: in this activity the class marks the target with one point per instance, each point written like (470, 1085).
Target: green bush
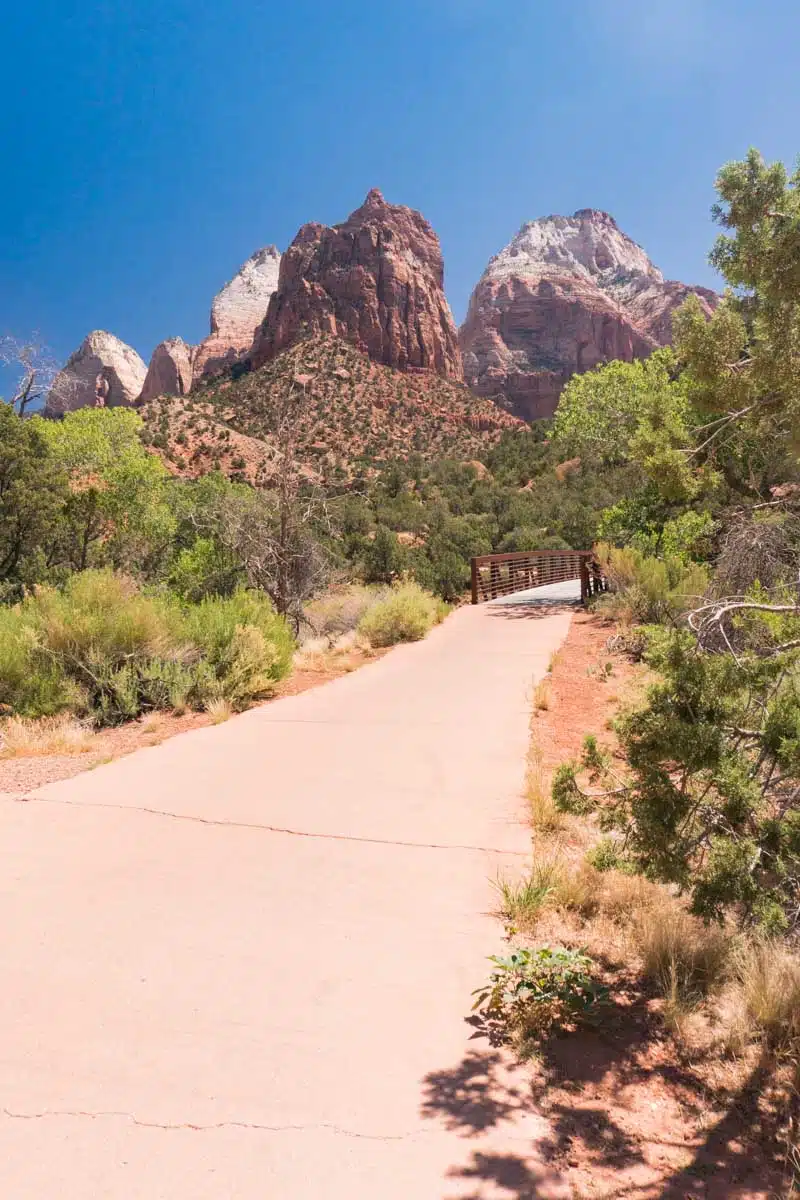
(406, 615)
(31, 685)
(245, 647)
(531, 992)
(103, 648)
(647, 590)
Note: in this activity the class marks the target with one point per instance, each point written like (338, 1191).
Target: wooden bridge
(495, 575)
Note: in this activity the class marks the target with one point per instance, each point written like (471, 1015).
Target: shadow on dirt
(579, 1085)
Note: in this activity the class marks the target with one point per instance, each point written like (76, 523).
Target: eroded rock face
(170, 370)
(377, 281)
(103, 372)
(567, 294)
(237, 312)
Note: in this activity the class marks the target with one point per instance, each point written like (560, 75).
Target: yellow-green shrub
(104, 648)
(406, 615)
(647, 590)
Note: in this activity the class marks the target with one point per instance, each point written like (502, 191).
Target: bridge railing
(495, 575)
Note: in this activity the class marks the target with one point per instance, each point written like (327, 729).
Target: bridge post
(474, 565)
(586, 584)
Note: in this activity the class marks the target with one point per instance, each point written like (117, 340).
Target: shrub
(531, 992)
(102, 647)
(340, 611)
(406, 615)
(30, 685)
(646, 590)
(245, 647)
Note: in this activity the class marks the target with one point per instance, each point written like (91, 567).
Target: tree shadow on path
(535, 610)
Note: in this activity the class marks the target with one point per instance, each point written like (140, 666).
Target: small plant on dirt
(219, 711)
(541, 695)
(521, 900)
(531, 993)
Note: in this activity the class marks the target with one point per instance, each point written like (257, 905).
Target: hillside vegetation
(354, 413)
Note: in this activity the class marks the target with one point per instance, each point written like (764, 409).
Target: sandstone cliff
(236, 313)
(170, 370)
(376, 281)
(103, 372)
(566, 294)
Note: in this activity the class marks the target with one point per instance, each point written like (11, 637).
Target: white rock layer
(236, 313)
(588, 245)
(102, 372)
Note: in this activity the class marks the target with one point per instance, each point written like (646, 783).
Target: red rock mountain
(376, 281)
(566, 294)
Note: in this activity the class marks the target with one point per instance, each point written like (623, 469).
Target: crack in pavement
(193, 1128)
(301, 833)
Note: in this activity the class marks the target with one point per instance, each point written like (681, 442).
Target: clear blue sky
(148, 148)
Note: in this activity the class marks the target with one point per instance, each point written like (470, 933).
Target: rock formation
(236, 313)
(103, 371)
(170, 370)
(566, 294)
(376, 280)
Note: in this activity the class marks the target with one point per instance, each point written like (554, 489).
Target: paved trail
(237, 965)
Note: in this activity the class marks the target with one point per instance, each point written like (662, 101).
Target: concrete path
(238, 965)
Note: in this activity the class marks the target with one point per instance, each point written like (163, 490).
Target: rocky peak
(170, 370)
(374, 199)
(374, 280)
(588, 245)
(243, 301)
(236, 313)
(565, 295)
(103, 372)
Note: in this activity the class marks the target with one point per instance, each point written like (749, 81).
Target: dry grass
(541, 695)
(320, 654)
(542, 812)
(682, 955)
(156, 725)
(63, 734)
(767, 980)
(219, 711)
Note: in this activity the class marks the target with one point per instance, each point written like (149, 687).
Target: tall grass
(522, 900)
(682, 955)
(543, 814)
(62, 734)
(767, 975)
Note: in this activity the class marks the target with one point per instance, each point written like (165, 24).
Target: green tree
(384, 557)
(710, 800)
(118, 512)
(625, 412)
(743, 366)
(33, 492)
